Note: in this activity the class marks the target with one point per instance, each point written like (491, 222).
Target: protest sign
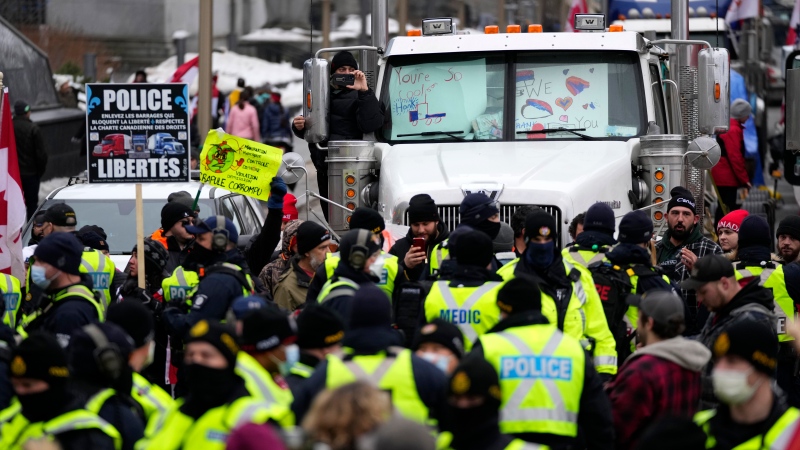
(238, 164)
(137, 133)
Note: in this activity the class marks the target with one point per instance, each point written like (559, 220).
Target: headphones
(219, 243)
(359, 252)
(106, 355)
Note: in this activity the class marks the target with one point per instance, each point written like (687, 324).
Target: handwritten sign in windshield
(436, 97)
(568, 96)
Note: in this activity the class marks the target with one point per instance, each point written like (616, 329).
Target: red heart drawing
(585, 106)
(564, 103)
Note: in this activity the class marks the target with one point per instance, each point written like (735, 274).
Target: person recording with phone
(354, 110)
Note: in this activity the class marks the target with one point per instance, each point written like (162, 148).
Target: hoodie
(661, 379)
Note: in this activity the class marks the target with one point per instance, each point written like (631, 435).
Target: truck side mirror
(791, 163)
(293, 167)
(316, 90)
(713, 80)
(703, 153)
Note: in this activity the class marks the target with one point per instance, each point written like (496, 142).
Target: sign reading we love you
(568, 96)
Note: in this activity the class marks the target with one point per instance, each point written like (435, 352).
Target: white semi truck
(556, 120)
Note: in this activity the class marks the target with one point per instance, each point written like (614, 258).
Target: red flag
(578, 7)
(187, 72)
(794, 26)
(12, 203)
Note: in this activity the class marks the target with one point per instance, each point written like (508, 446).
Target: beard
(788, 254)
(680, 233)
(314, 262)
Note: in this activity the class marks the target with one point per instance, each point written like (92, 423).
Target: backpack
(408, 305)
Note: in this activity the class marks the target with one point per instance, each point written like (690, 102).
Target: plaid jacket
(669, 259)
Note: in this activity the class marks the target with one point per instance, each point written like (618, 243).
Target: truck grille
(451, 216)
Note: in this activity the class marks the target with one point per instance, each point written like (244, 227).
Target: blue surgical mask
(292, 358)
(39, 277)
(540, 255)
(441, 362)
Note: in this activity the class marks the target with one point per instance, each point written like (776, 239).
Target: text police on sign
(137, 133)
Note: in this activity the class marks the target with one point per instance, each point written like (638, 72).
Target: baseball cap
(210, 224)
(707, 269)
(662, 305)
(61, 215)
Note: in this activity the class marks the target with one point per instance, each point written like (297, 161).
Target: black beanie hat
(62, 251)
(540, 223)
(84, 361)
(220, 336)
(61, 215)
(754, 232)
(753, 341)
(354, 238)
(790, 226)
(343, 58)
(40, 357)
(681, 197)
(173, 212)
(443, 333)
(475, 376)
(635, 228)
(474, 249)
(367, 219)
(309, 235)
(96, 228)
(476, 208)
(93, 240)
(518, 295)
(319, 327)
(370, 308)
(267, 328)
(422, 208)
(135, 319)
(599, 217)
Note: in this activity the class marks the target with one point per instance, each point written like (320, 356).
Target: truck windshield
(465, 96)
(106, 142)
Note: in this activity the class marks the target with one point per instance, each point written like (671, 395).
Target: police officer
(476, 211)
(440, 343)
(755, 414)
(268, 352)
(549, 385)
(46, 408)
(95, 262)
(569, 298)
(424, 223)
(416, 386)
(69, 303)
(595, 240)
(754, 262)
(320, 332)
(175, 217)
(473, 400)
(216, 400)
(359, 250)
(102, 379)
(362, 219)
(135, 319)
(222, 272)
(12, 299)
(468, 297)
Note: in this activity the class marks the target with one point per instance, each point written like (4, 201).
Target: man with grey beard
(313, 246)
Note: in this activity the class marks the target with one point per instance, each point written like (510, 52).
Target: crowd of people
(613, 342)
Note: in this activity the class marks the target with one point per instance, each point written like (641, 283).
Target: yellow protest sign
(239, 165)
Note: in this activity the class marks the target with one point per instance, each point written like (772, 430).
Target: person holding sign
(354, 111)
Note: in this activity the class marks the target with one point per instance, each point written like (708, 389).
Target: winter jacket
(120, 410)
(661, 379)
(753, 302)
(729, 434)
(352, 113)
(292, 288)
(342, 303)
(669, 259)
(594, 411)
(177, 255)
(630, 254)
(403, 245)
(260, 247)
(731, 171)
(31, 154)
(275, 125)
(243, 122)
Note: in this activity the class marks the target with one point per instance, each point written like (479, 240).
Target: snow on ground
(231, 66)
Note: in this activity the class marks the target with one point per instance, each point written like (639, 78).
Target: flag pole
(1, 91)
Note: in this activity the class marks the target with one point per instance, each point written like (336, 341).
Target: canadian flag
(794, 26)
(578, 7)
(12, 203)
(741, 9)
(187, 72)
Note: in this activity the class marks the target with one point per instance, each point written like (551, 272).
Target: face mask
(730, 386)
(202, 255)
(440, 361)
(376, 268)
(492, 229)
(39, 277)
(206, 382)
(540, 255)
(292, 353)
(40, 407)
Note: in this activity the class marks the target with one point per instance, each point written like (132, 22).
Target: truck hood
(569, 174)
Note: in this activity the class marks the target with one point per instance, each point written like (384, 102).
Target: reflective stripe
(262, 387)
(96, 402)
(576, 254)
(513, 411)
(9, 316)
(181, 276)
(376, 376)
(577, 286)
(783, 439)
(469, 303)
(247, 414)
(145, 391)
(605, 361)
